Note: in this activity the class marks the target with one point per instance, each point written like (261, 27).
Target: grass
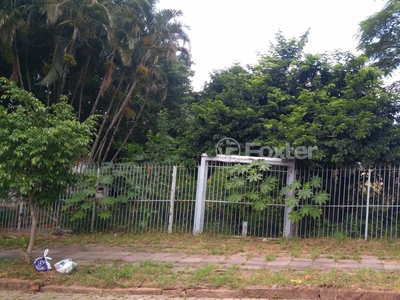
(270, 257)
(152, 274)
(337, 247)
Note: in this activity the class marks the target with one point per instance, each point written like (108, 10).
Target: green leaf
(315, 212)
(105, 215)
(304, 194)
(107, 201)
(321, 198)
(294, 216)
(106, 179)
(261, 164)
(259, 205)
(291, 201)
(235, 197)
(87, 205)
(77, 197)
(252, 196)
(316, 182)
(235, 182)
(239, 169)
(295, 185)
(89, 191)
(305, 210)
(264, 166)
(254, 177)
(269, 184)
(122, 199)
(78, 215)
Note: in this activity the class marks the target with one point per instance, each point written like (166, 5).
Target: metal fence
(364, 203)
(160, 199)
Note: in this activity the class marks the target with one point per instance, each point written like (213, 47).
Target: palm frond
(57, 67)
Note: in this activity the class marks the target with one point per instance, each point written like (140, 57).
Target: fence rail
(364, 203)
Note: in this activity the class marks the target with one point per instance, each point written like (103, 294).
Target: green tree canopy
(334, 101)
(379, 36)
(112, 58)
(39, 146)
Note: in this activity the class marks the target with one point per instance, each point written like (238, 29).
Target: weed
(270, 257)
(314, 253)
(295, 252)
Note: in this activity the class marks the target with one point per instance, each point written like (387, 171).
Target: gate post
(200, 196)
(287, 225)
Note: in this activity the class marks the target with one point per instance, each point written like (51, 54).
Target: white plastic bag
(65, 266)
(41, 264)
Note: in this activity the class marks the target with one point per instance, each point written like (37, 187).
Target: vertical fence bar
(172, 200)
(367, 210)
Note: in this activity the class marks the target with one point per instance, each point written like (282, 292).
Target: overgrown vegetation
(210, 244)
(152, 274)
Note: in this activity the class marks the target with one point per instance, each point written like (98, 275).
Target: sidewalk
(120, 255)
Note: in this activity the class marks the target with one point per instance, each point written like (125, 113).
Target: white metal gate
(214, 213)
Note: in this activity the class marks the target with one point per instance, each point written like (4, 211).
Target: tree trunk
(132, 128)
(27, 68)
(110, 143)
(106, 82)
(115, 119)
(18, 65)
(95, 149)
(27, 254)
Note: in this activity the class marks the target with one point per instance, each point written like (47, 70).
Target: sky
(224, 32)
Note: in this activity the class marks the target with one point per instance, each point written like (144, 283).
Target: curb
(247, 292)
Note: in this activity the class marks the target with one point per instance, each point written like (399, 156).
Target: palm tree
(162, 35)
(14, 15)
(85, 22)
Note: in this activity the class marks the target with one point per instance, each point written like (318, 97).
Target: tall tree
(108, 57)
(336, 102)
(163, 36)
(15, 16)
(39, 147)
(379, 36)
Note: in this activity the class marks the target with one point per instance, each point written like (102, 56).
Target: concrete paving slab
(73, 256)
(99, 252)
(214, 259)
(348, 266)
(251, 267)
(323, 260)
(172, 258)
(390, 266)
(135, 258)
(116, 255)
(324, 266)
(257, 258)
(158, 256)
(192, 259)
(252, 262)
(300, 263)
(92, 257)
(281, 262)
(372, 267)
